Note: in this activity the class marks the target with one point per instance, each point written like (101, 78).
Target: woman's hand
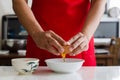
(49, 41)
(78, 44)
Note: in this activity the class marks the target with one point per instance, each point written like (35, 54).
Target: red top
(64, 17)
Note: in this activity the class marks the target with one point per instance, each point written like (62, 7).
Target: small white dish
(69, 66)
(21, 52)
(4, 52)
(25, 65)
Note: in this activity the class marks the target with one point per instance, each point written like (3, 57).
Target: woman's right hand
(50, 41)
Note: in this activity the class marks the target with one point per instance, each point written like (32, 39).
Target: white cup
(25, 65)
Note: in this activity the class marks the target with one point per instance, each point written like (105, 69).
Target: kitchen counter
(44, 73)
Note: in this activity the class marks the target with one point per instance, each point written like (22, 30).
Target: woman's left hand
(78, 44)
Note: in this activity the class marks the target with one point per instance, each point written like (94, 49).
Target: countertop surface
(44, 73)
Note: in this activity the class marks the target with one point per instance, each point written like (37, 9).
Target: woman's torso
(64, 17)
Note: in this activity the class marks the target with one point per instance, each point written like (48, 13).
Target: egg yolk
(66, 51)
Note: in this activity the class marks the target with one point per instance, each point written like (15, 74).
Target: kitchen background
(106, 35)
(6, 9)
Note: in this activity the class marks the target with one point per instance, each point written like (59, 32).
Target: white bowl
(69, 66)
(21, 52)
(25, 65)
(4, 52)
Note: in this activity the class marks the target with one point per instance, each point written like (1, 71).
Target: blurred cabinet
(104, 60)
(5, 60)
(110, 58)
(108, 28)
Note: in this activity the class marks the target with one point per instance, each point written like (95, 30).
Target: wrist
(87, 36)
(35, 31)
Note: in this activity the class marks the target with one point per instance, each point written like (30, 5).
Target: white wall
(114, 3)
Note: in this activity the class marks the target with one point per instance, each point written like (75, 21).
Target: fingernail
(58, 54)
(62, 50)
(70, 49)
(67, 43)
(71, 54)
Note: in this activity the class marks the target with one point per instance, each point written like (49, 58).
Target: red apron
(64, 17)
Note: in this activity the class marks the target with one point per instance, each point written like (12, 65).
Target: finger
(75, 38)
(83, 45)
(58, 38)
(55, 44)
(78, 50)
(77, 43)
(52, 50)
